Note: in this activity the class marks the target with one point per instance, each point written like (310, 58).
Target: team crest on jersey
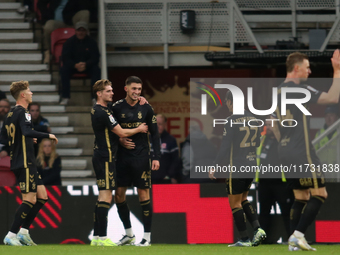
(139, 115)
(154, 120)
(123, 115)
(28, 116)
(113, 121)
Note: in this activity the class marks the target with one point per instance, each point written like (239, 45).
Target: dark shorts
(105, 172)
(310, 177)
(28, 179)
(134, 171)
(238, 186)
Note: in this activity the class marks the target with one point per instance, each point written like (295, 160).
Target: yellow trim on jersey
(107, 175)
(24, 151)
(108, 143)
(231, 165)
(27, 179)
(309, 158)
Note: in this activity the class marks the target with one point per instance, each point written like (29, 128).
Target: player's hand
(143, 128)
(35, 140)
(212, 174)
(336, 60)
(127, 143)
(155, 165)
(53, 137)
(142, 100)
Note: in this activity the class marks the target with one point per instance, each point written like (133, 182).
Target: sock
(147, 215)
(298, 234)
(95, 222)
(11, 234)
(20, 216)
(251, 214)
(102, 238)
(102, 211)
(309, 213)
(124, 215)
(129, 232)
(295, 213)
(33, 213)
(240, 222)
(23, 231)
(147, 236)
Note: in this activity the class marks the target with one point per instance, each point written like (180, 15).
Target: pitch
(156, 249)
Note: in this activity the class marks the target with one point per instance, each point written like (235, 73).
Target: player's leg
(42, 198)
(144, 199)
(124, 215)
(266, 200)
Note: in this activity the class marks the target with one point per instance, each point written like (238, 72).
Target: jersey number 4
(245, 142)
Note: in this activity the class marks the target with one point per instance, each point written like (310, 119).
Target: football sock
(251, 214)
(11, 234)
(309, 213)
(147, 215)
(147, 236)
(124, 215)
(20, 216)
(240, 222)
(23, 231)
(129, 232)
(95, 222)
(102, 211)
(295, 213)
(33, 213)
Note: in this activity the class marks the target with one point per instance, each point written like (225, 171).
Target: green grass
(159, 249)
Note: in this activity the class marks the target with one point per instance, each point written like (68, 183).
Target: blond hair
(18, 86)
(100, 86)
(41, 155)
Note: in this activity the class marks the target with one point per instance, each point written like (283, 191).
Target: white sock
(95, 238)
(298, 234)
(23, 231)
(11, 234)
(129, 232)
(102, 238)
(147, 236)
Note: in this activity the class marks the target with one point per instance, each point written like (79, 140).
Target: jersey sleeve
(26, 126)
(153, 129)
(315, 94)
(223, 155)
(108, 119)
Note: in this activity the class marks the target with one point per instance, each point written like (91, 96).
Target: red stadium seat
(7, 177)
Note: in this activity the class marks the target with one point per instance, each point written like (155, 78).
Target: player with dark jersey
(17, 134)
(107, 131)
(295, 147)
(241, 136)
(133, 159)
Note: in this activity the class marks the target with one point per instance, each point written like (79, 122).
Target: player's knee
(119, 198)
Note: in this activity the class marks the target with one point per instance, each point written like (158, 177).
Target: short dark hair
(229, 96)
(293, 59)
(100, 85)
(133, 79)
(18, 86)
(34, 103)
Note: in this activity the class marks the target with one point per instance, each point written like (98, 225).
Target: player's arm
(155, 139)
(276, 129)
(125, 132)
(332, 96)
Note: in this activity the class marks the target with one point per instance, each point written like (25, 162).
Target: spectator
(26, 6)
(272, 186)
(61, 13)
(169, 170)
(331, 116)
(2, 95)
(80, 55)
(4, 109)
(39, 122)
(49, 163)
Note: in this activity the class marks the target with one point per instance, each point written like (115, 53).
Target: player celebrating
(133, 160)
(238, 149)
(295, 147)
(105, 148)
(17, 132)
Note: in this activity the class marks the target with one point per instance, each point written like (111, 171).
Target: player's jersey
(238, 147)
(17, 132)
(105, 142)
(295, 140)
(131, 117)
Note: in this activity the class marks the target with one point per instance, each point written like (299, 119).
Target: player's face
(28, 95)
(35, 112)
(330, 118)
(303, 70)
(47, 147)
(160, 124)
(107, 94)
(81, 33)
(133, 91)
